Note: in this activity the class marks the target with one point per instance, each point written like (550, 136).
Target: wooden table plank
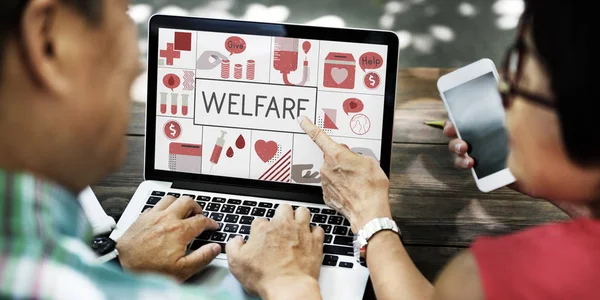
(417, 101)
(433, 203)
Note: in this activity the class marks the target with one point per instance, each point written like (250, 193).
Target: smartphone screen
(476, 107)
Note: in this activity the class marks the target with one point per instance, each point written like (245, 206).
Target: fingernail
(300, 119)
(457, 148)
(216, 249)
(466, 163)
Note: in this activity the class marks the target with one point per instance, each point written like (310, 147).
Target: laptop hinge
(247, 191)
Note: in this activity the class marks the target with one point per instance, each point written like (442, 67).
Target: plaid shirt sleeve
(43, 254)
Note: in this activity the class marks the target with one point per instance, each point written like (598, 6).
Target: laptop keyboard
(235, 216)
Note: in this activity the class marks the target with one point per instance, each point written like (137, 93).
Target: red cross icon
(170, 54)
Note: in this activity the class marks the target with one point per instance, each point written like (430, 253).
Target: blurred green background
(433, 33)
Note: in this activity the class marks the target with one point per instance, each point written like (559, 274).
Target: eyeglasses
(513, 68)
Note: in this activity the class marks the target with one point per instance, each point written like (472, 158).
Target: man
(66, 70)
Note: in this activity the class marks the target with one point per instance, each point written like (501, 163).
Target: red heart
(265, 150)
(353, 105)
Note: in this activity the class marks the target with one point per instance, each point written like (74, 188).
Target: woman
(551, 105)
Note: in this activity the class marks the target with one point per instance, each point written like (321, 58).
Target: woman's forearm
(393, 273)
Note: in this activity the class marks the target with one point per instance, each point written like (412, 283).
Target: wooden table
(438, 208)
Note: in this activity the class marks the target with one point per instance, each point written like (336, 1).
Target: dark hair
(11, 12)
(565, 33)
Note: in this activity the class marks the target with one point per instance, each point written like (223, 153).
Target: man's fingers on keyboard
(201, 257)
(200, 223)
(257, 222)
(233, 247)
(318, 233)
(302, 215)
(182, 207)
(284, 212)
(164, 203)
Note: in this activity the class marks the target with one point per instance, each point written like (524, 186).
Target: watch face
(103, 245)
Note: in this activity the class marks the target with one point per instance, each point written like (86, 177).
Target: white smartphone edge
(465, 74)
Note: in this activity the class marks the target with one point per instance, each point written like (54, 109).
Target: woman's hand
(459, 147)
(462, 161)
(353, 184)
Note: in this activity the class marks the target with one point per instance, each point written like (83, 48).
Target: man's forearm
(393, 273)
(292, 288)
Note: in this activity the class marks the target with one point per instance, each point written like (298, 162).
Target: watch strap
(361, 239)
(109, 256)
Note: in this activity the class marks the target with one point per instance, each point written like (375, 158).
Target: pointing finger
(327, 145)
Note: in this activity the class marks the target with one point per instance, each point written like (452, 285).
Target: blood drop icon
(229, 152)
(240, 143)
(306, 46)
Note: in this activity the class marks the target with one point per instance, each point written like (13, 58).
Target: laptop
(223, 99)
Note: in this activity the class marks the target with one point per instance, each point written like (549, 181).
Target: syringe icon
(216, 153)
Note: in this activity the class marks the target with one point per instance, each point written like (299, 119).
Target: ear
(38, 44)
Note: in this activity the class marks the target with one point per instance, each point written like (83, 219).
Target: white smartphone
(474, 105)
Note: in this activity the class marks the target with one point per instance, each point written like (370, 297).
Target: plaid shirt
(44, 252)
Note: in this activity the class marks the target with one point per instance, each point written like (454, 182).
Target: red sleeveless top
(555, 261)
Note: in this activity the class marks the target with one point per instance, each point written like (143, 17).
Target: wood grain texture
(433, 203)
(417, 101)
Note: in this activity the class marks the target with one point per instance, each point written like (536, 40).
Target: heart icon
(339, 75)
(353, 105)
(265, 150)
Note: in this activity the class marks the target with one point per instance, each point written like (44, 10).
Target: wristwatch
(361, 239)
(105, 248)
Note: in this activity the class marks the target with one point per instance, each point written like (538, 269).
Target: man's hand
(282, 258)
(353, 184)
(158, 239)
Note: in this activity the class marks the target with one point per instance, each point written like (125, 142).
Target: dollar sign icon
(372, 80)
(172, 130)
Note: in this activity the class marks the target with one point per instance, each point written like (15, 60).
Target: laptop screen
(227, 104)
